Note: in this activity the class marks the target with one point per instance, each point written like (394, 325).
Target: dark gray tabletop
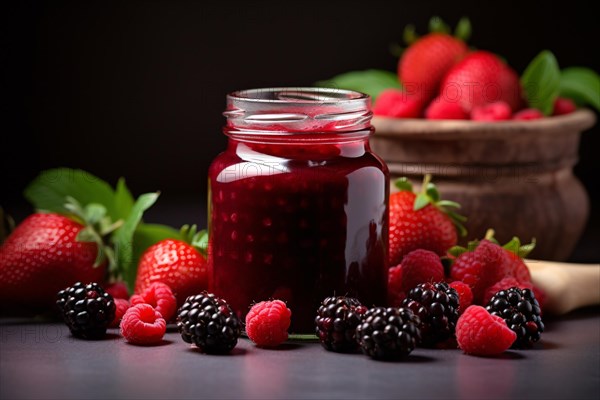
(44, 361)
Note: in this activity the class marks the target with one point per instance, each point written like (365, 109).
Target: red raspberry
(396, 103)
(122, 306)
(465, 296)
(497, 111)
(420, 266)
(441, 108)
(528, 114)
(482, 334)
(159, 296)
(118, 290)
(563, 106)
(142, 324)
(517, 268)
(267, 323)
(395, 293)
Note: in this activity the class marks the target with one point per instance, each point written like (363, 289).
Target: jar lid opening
(302, 95)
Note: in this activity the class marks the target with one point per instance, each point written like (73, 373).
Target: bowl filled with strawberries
(503, 145)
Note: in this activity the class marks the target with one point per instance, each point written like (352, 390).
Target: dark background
(137, 89)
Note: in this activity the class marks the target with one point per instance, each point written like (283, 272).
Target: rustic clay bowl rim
(576, 121)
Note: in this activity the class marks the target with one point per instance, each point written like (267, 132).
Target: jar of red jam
(298, 203)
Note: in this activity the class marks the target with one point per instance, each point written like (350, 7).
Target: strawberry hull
(311, 225)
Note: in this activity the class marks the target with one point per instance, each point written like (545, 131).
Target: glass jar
(298, 203)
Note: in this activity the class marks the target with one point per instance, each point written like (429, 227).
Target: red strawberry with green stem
(181, 264)
(422, 221)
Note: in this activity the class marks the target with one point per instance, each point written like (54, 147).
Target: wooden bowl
(514, 176)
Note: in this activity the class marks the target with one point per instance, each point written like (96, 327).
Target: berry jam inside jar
(298, 202)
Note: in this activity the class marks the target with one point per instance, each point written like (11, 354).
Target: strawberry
(424, 64)
(482, 78)
(528, 114)
(442, 108)
(43, 256)
(563, 106)
(398, 104)
(179, 264)
(498, 111)
(421, 221)
(485, 263)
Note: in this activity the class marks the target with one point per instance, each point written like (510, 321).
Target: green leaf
(581, 85)
(123, 201)
(432, 192)
(421, 201)
(448, 203)
(403, 184)
(541, 81)
(50, 188)
(463, 29)
(87, 234)
(145, 236)
(457, 250)
(123, 237)
(200, 242)
(436, 24)
(93, 213)
(371, 81)
(410, 34)
(513, 246)
(472, 245)
(526, 249)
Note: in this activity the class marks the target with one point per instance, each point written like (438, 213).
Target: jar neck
(305, 113)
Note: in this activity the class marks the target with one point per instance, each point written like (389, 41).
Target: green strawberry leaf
(403, 184)
(457, 250)
(123, 200)
(525, 249)
(93, 213)
(436, 24)
(433, 193)
(410, 34)
(513, 245)
(50, 188)
(421, 201)
(371, 81)
(123, 237)
(581, 85)
(541, 81)
(145, 236)
(463, 29)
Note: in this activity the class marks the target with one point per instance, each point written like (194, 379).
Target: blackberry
(436, 305)
(86, 309)
(336, 322)
(208, 322)
(521, 312)
(388, 333)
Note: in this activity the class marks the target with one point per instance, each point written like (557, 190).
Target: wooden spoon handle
(567, 286)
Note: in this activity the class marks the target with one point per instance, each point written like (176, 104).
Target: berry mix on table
(87, 247)
(480, 298)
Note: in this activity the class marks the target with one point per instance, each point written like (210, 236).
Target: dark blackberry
(336, 322)
(86, 309)
(388, 333)
(521, 312)
(436, 305)
(208, 322)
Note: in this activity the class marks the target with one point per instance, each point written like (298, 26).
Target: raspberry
(420, 266)
(436, 305)
(517, 268)
(497, 111)
(336, 322)
(528, 114)
(159, 296)
(395, 292)
(142, 324)
(396, 103)
(122, 307)
(267, 323)
(465, 296)
(118, 290)
(482, 334)
(440, 108)
(563, 106)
